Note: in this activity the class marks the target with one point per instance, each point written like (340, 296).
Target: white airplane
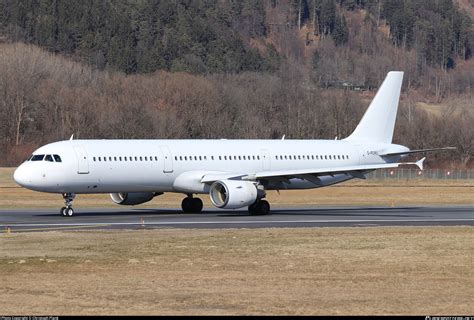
(235, 173)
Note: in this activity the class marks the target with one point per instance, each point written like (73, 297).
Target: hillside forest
(306, 69)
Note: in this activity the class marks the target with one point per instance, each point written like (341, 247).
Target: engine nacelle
(132, 198)
(233, 194)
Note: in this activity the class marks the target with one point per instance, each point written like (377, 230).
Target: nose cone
(21, 176)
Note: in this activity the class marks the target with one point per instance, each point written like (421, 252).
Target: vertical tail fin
(378, 122)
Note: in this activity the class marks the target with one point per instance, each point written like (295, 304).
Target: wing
(416, 151)
(310, 174)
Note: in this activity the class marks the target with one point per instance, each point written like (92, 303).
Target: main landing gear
(191, 205)
(68, 211)
(260, 207)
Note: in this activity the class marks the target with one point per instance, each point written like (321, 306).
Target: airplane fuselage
(107, 166)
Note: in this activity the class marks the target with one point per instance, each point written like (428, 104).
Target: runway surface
(22, 220)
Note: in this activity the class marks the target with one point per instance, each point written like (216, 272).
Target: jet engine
(233, 194)
(132, 198)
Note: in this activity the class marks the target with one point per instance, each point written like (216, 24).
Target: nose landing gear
(68, 211)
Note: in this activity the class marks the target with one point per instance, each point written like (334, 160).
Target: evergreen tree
(341, 33)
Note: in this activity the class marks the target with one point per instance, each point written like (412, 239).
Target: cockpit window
(57, 158)
(49, 158)
(37, 157)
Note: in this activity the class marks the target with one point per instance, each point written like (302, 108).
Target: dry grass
(356, 192)
(314, 271)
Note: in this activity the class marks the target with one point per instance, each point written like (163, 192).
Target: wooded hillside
(232, 69)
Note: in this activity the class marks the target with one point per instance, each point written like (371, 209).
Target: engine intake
(132, 198)
(233, 194)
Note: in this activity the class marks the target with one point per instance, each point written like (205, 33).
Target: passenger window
(212, 157)
(200, 158)
(57, 158)
(105, 158)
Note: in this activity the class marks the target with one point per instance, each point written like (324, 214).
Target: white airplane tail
(378, 122)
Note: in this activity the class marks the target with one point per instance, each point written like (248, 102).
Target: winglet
(72, 137)
(419, 163)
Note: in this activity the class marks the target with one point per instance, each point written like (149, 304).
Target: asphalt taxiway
(21, 220)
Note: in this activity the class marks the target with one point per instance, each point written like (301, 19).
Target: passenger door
(167, 159)
(82, 161)
(265, 157)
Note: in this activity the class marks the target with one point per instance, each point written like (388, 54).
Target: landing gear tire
(197, 205)
(191, 205)
(261, 207)
(67, 211)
